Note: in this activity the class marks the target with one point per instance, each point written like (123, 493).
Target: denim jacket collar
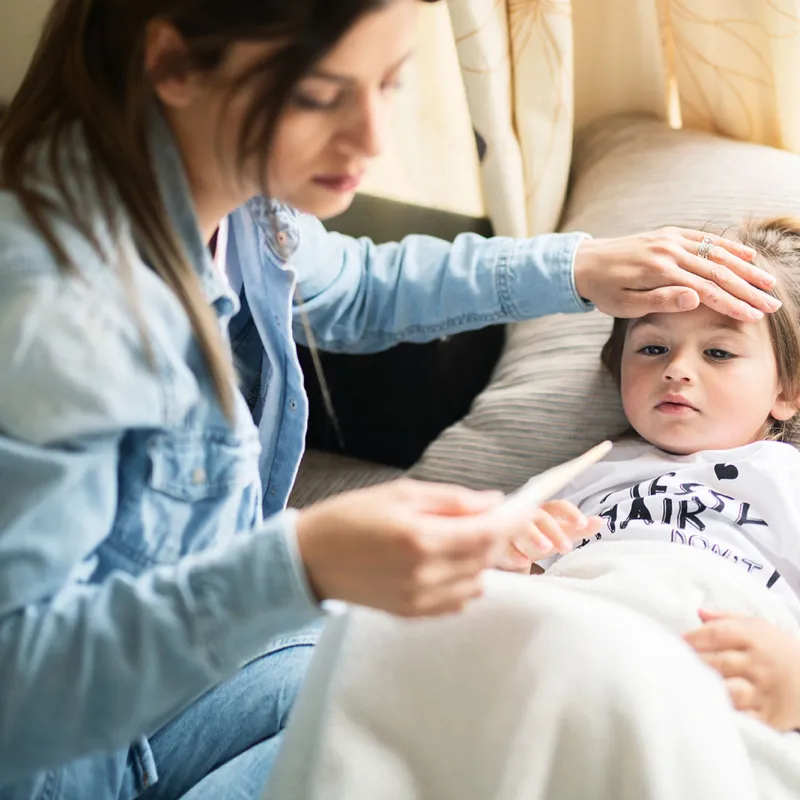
(174, 186)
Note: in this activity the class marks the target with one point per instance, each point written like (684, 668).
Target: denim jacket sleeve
(89, 665)
(362, 297)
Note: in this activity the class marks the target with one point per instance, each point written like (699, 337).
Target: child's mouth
(670, 407)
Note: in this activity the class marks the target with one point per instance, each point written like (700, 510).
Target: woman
(136, 573)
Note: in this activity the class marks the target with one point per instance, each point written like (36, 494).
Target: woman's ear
(166, 60)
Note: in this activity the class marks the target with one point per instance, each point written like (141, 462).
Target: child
(708, 463)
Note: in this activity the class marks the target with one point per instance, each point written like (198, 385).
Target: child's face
(700, 381)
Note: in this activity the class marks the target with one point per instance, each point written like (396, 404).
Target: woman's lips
(339, 183)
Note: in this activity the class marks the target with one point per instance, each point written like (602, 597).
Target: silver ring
(705, 247)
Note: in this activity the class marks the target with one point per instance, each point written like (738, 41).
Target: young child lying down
(712, 405)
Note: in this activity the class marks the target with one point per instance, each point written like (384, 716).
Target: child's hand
(759, 662)
(553, 528)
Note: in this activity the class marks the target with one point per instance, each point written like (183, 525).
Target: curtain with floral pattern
(534, 71)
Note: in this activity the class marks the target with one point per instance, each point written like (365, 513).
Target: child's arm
(759, 662)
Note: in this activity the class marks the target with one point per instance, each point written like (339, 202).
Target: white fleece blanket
(355, 736)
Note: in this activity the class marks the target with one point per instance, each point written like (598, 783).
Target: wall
(20, 23)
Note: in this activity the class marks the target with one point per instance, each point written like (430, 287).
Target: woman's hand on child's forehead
(673, 269)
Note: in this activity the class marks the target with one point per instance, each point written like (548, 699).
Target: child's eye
(653, 350)
(718, 354)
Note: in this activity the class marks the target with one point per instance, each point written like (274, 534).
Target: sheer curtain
(737, 66)
(534, 71)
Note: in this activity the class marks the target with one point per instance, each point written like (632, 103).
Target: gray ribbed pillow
(549, 399)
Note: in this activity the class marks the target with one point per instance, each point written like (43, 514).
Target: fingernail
(582, 523)
(755, 314)
(774, 304)
(687, 301)
(768, 280)
(565, 547)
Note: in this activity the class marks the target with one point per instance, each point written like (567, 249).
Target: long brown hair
(777, 245)
(88, 73)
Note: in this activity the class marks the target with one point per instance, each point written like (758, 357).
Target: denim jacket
(136, 568)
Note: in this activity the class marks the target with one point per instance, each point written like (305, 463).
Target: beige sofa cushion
(323, 475)
(549, 398)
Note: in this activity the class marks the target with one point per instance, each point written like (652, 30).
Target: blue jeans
(222, 746)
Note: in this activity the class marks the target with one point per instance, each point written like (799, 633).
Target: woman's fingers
(450, 599)
(449, 500)
(724, 270)
(694, 280)
(741, 251)
(447, 571)
(664, 271)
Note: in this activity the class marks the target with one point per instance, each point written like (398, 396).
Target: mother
(137, 576)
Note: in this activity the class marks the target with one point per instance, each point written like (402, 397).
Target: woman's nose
(366, 133)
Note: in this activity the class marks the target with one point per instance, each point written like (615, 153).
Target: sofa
(545, 398)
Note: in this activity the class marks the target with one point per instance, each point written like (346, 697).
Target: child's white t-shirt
(742, 505)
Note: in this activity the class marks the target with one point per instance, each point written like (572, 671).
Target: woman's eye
(653, 350)
(718, 354)
(392, 86)
(310, 103)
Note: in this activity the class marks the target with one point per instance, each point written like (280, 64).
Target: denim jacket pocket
(193, 466)
(182, 491)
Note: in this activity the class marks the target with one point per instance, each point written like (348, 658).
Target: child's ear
(785, 407)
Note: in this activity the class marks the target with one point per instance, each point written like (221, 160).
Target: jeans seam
(280, 648)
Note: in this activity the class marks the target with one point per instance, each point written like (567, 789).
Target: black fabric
(391, 405)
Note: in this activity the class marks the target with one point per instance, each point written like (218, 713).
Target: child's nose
(679, 370)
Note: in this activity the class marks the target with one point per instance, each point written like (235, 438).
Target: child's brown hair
(777, 245)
